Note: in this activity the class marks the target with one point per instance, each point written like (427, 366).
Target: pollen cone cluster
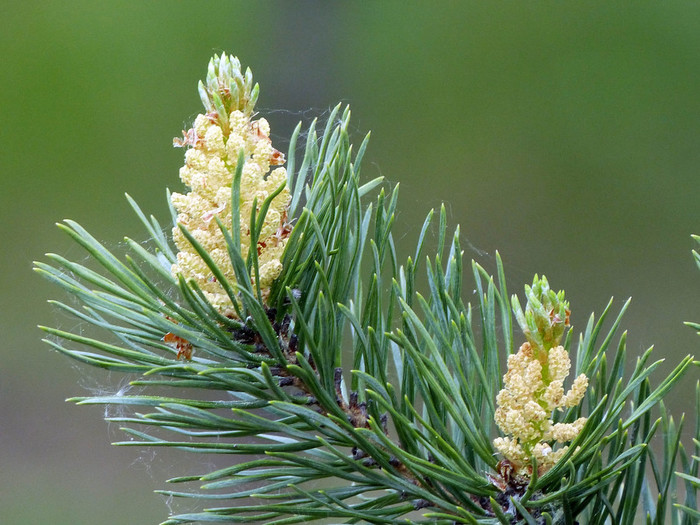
(214, 144)
(526, 403)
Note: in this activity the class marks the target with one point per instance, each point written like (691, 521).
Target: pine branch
(352, 395)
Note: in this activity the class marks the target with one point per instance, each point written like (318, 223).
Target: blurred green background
(566, 135)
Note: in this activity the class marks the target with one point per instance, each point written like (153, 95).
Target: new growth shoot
(219, 140)
(534, 384)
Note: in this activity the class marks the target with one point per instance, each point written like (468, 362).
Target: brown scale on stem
(183, 346)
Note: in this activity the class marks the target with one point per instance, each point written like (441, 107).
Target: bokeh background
(566, 135)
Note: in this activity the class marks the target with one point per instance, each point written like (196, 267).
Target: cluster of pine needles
(349, 396)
